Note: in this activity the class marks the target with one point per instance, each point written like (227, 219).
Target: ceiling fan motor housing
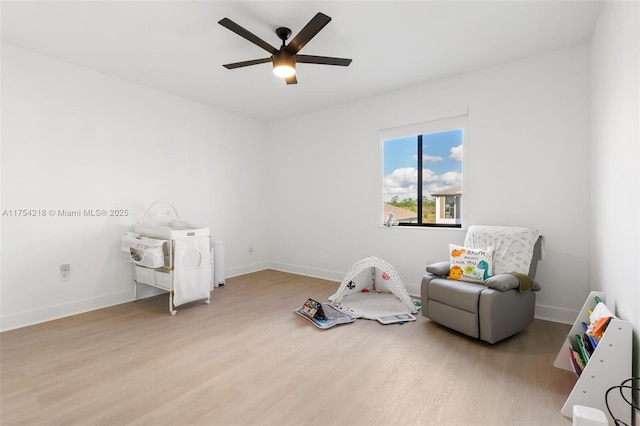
(283, 57)
(283, 33)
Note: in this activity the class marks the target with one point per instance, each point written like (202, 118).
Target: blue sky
(442, 163)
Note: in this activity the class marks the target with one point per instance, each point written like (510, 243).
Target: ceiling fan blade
(314, 26)
(323, 60)
(228, 23)
(291, 80)
(246, 63)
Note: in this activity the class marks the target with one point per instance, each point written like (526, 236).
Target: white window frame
(450, 120)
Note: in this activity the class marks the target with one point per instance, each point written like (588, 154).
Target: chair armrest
(440, 269)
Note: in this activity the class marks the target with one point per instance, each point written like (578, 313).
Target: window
(450, 207)
(423, 162)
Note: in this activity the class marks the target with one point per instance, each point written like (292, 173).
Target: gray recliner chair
(503, 304)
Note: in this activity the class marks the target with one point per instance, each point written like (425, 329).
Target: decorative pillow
(441, 268)
(470, 264)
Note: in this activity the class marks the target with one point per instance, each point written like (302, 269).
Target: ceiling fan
(284, 59)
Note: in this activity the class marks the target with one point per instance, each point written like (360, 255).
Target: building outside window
(448, 205)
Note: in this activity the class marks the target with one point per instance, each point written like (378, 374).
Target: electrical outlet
(65, 270)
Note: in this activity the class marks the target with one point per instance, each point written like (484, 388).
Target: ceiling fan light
(284, 71)
(284, 64)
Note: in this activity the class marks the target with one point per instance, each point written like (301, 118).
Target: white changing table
(185, 272)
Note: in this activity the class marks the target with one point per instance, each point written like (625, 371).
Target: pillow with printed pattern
(470, 264)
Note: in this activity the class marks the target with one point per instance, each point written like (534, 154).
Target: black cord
(621, 386)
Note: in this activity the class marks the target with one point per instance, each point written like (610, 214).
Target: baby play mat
(372, 289)
(373, 305)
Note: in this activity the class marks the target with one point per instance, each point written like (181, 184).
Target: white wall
(76, 139)
(615, 161)
(528, 165)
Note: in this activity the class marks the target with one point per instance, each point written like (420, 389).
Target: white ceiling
(178, 46)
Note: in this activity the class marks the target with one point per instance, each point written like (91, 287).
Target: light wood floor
(247, 359)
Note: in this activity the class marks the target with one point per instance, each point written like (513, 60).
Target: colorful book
(592, 341)
(601, 326)
(581, 350)
(587, 345)
(575, 362)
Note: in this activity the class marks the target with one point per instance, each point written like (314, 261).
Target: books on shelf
(591, 341)
(599, 319)
(584, 345)
(577, 365)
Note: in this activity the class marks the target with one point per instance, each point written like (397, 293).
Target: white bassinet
(185, 269)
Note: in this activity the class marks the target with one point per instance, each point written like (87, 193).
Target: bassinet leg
(173, 311)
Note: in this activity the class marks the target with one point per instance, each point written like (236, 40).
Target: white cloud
(431, 159)
(456, 153)
(428, 158)
(401, 177)
(400, 183)
(429, 175)
(451, 178)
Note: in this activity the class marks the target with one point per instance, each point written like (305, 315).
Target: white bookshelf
(609, 365)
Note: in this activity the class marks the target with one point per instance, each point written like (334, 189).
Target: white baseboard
(50, 313)
(555, 314)
(413, 289)
(246, 269)
(309, 272)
